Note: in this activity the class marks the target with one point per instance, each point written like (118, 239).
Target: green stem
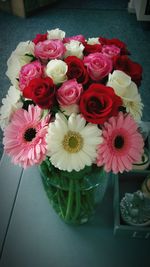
(60, 205)
(87, 204)
(62, 196)
(78, 200)
(70, 199)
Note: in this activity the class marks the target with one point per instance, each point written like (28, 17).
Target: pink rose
(29, 72)
(98, 66)
(69, 93)
(79, 38)
(110, 50)
(50, 49)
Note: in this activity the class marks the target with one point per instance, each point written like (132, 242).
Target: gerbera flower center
(72, 142)
(119, 142)
(29, 134)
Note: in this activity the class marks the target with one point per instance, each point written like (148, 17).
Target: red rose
(76, 69)
(41, 91)
(91, 48)
(98, 103)
(39, 38)
(115, 42)
(133, 69)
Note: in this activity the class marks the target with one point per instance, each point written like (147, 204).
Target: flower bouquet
(73, 109)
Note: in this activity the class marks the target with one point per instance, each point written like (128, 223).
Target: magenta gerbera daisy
(24, 138)
(122, 144)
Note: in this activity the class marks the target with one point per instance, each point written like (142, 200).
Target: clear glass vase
(74, 195)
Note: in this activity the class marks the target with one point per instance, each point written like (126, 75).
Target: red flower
(91, 48)
(98, 103)
(116, 42)
(39, 38)
(76, 69)
(41, 91)
(133, 69)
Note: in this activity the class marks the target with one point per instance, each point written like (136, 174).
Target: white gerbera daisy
(134, 107)
(71, 144)
(10, 103)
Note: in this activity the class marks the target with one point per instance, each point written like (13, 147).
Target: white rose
(10, 104)
(74, 48)
(92, 41)
(19, 57)
(57, 69)
(128, 91)
(120, 82)
(25, 48)
(56, 34)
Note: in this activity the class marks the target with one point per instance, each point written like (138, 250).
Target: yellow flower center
(73, 142)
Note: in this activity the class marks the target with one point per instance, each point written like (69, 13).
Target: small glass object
(135, 209)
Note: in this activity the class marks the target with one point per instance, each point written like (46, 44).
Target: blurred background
(21, 20)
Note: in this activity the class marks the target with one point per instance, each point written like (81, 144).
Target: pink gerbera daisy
(24, 138)
(122, 144)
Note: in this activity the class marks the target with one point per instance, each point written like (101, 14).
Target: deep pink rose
(110, 50)
(98, 66)
(69, 93)
(29, 72)
(50, 49)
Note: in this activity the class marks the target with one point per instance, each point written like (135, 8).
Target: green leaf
(31, 56)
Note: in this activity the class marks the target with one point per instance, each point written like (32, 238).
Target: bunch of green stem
(73, 205)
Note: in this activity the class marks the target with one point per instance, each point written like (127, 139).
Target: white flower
(19, 58)
(120, 82)
(10, 103)
(72, 144)
(74, 48)
(57, 69)
(68, 110)
(128, 91)
(92, 41)
(134, 106)
(56, 34)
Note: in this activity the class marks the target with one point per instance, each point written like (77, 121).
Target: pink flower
(50, 49)
(29, 72)
(24, 138)
(98, 66)
(122, 144)
(79, 38)
(69, 93)
(110, 50)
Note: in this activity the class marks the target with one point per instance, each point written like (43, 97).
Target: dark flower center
(119, 142)
(29, 134)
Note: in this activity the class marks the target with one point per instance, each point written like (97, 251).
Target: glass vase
(74, 195)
